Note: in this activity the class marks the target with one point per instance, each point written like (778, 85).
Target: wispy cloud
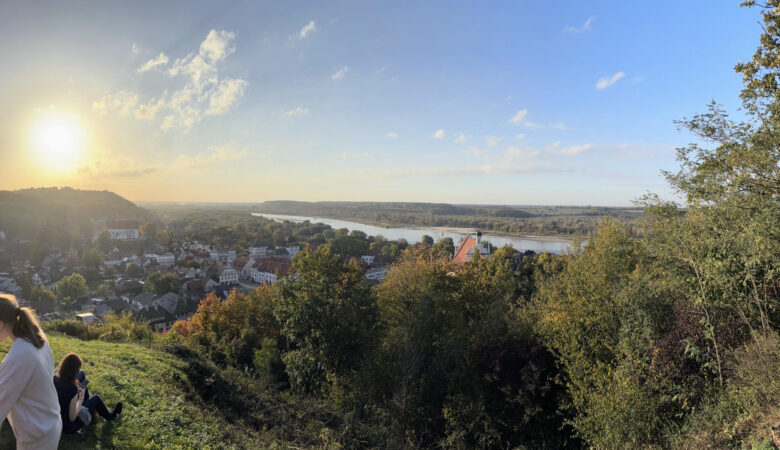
(112, 168)
(348, 155)
(160, 60)
(519, 136)
(341, 73)
(307, 29)
(203, 93)
(217, 155)
(438, 134)
(299, 111)
(519, 117)
(225, 95)
(514, 160)
(585, 27)
(492, 141)
(556, 148)
(606, 82)
(460, 138)
(122, 102)
(391, 135)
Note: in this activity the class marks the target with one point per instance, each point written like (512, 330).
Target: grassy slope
(160, 408)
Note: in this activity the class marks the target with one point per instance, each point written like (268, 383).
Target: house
(268, 271)
(468, 247)
(223, 257)
(166, 260)
(281, 252)
(37, 279)
(142, 300)
(292, 251)
(228, 275)
(88, 318)
(123, 230)
(8, 285)
(168, 302)
(159, 318)
(376, 275)
(246, 271)
(258, 252)
(368, 259)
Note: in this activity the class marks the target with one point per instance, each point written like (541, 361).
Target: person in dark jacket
(76, 404)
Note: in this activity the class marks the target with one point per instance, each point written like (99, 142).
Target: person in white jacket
(27, 394)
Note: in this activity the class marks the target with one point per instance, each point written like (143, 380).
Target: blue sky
(483, 102)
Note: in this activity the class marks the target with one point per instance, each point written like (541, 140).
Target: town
(165, 284)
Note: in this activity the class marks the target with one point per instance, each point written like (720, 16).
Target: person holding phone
(76, 405)
(27, 396)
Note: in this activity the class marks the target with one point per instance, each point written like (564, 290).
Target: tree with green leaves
(328, 314)
(159, 284)
(72, 286)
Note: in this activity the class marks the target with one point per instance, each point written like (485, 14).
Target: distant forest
(539, 220)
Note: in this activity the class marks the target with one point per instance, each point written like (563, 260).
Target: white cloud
(438, 134)
(519, 116)
(135, 49)
(556, 148)
(391, 135)
(122, 101)
(513, 161)
(461, 138)
(160, 60)
(585, 27)
(119, 167)
(308, 28)
(225, 95)
(606, 82)
(492, 141)
(519, 136)
(217, 155)
(201, 91)
(347, 155)
(514, 156)
(476, 152)
(149, 110)
(341, 73)
(299, 111)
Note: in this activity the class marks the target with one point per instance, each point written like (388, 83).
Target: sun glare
(58, 140)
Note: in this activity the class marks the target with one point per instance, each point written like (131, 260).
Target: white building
(246, 271)
(123, 230)
(166, 260)
(228, 275)
(2, 234)
(368, 259)
(258, 252)
(377, 274)
(268, 271)
(292, 251)
(223, 257)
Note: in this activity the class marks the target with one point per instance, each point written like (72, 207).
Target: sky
(523, 102)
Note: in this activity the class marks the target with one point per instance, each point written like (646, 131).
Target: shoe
(117, 411)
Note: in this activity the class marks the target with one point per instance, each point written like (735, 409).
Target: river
(415, 234)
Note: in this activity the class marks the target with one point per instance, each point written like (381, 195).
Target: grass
(163, 408)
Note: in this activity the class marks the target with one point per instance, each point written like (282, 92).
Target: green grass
(163, 408)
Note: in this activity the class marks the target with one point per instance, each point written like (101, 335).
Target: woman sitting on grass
(27, 397)
(76, 405)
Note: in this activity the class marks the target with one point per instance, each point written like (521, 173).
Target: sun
(57, 138)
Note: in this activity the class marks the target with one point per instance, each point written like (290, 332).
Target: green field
(166, 400)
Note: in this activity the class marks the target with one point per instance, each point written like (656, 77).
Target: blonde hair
(23, 322)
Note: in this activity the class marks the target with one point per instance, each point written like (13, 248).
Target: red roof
(274, 265)
(122, 224)
(461, 253)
